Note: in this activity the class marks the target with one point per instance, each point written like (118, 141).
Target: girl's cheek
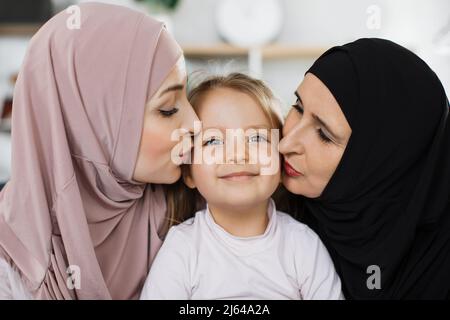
(202, 174)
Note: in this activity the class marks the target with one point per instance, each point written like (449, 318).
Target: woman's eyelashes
(297, 106)
(321, 134)
(169, 112)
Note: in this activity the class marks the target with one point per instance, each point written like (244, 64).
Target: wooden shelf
(19, 29)
(286, 51)
(273, 51)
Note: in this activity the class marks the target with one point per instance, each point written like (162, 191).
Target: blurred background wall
(306, 29)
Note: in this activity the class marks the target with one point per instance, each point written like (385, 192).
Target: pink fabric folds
(71, 204)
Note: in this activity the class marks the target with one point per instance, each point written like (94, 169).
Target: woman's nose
(291, 142)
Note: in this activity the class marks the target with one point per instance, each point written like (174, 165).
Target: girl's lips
(291, 171)
(239, 176)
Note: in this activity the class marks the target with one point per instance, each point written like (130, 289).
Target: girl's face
(167, 111)
(315, 135)
(236, 179)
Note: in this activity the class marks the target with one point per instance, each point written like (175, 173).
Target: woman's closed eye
(323, 136)
(168, 112)
(298, 107)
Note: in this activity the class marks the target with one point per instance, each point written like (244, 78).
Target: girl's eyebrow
(300, 108)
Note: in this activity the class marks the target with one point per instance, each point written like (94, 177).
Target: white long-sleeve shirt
(11, 286)
(200, 260)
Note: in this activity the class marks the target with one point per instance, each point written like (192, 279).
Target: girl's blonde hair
(183, 202)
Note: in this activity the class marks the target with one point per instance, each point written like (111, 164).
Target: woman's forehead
(317, 99)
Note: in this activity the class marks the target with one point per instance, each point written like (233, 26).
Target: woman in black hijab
(384, 205)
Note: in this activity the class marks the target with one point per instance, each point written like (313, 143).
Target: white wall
(412, 23)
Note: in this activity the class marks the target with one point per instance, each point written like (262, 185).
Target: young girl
(239, 246)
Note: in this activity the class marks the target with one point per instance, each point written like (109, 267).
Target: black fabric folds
(387, 203)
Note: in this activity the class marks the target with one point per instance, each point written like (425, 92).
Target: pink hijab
(77, 119)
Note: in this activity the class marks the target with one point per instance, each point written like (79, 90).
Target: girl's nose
(236, 149)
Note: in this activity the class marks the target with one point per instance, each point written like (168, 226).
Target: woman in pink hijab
(94, 110)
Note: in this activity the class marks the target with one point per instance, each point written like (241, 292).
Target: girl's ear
(187, 178)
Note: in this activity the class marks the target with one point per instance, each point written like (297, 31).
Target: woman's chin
(169, 176)
(290, 185)
(294, 186)
(298, 188)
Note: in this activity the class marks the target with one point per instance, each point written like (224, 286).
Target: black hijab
(387, 203)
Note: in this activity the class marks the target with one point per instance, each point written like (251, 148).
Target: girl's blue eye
(213, 141)
(257, 138)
